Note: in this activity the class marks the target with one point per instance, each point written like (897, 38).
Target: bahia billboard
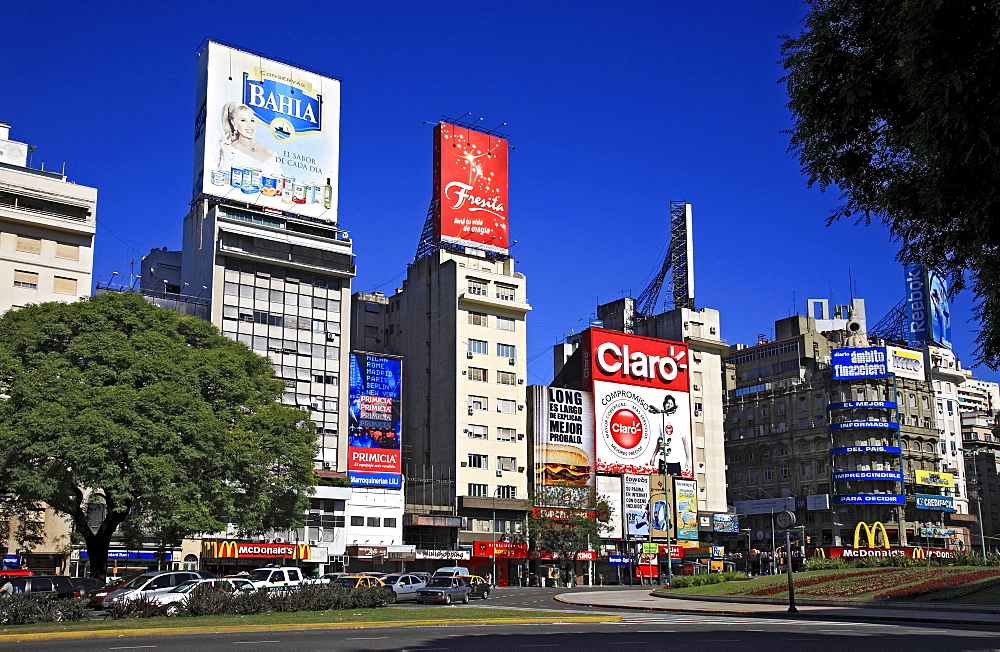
(267, 133)
(642, 407)
(928, 310)
(470, 188)
(374, 420)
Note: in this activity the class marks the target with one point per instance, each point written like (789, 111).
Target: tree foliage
(567, 521)
(138, 418)
(895, 103)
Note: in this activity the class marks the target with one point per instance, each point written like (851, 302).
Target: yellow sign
(919, 553)
(934, 478)
(872, 533)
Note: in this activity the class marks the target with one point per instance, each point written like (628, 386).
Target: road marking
(254, 642)
(370, 638)
(132, 647)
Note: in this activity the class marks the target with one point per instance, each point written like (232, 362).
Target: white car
(170, 599)
(404, 586)
(276, 577)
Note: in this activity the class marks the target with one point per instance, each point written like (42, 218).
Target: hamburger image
(565, 465)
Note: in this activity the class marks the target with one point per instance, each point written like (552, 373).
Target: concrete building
(47, 226)
(948, 377)
(978, 395)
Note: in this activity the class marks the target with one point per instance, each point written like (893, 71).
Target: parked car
(170, 599)
(152, 582)
(15, 572)
(58, 586)
(276, 577)
(97, 596)
(445, 590)
(426, 577)
(478, 587)
(86, 584)
(354, 581)
(451, 571)
(404, 586)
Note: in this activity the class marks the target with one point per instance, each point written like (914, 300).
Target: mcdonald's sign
(236, 549)
(872, 534)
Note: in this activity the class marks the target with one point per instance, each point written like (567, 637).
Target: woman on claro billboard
(665, 446)
(238, 147)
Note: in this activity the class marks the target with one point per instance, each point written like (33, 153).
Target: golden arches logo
(819, 553)
(872, 533)
(919, 553)
(303, 551)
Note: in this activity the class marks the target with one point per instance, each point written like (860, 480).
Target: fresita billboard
(642, 402)
(470, 188)
(266, 133)
(374, 420)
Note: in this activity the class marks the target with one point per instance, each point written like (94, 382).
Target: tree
(567, 521)
(895, 103)
(128, 416)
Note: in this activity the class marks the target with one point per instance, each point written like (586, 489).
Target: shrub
(207, 601)
(248, 603)
(25, 608)
(365, 597)
(141, 607)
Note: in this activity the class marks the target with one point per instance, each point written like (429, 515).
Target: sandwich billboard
(267, 133)
(563, 434)
(642, 408)
(470, 188)
(374, 421)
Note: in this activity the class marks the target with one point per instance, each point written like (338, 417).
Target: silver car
(152, 582)
(404, 586)
(170, 599)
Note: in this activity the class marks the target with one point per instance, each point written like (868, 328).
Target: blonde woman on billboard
(238, 147)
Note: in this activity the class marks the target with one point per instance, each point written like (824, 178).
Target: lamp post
(747, 530)
(979, 497)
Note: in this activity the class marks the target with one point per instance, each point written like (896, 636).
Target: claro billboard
(266, 133)
(642, 407)
(470, 188)
(374, 421)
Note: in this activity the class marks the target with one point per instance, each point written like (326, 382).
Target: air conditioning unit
(313, 542)
(696, 388)
(465, 464)
(327, 466)
(499, 473)
(464, 372)
(511, 362)
(520, 469)
(520, 436)
(279, 540)
(520, 407)
(520, 381)
(471, 411)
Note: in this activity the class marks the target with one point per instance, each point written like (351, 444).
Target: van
(451, 571)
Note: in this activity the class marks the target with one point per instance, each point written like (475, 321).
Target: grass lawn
(276, 620)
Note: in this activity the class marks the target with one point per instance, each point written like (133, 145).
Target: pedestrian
(600, 577)
(489, 579)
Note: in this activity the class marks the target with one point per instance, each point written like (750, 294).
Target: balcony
(492, 301)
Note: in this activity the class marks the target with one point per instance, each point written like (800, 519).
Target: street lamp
(979, 496)
(747, 530)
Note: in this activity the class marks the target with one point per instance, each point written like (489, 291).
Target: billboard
(374, 421)
(937, 503)
(563, 425)
(659, 507)
(470, 188)
(686, 512)
(609, 488)
(726, 523)
(635, 498)
(642, 406)
(934, 478)
(927, 307)
(870, 499)
(905, 363)
(858, 363)
(266, 133)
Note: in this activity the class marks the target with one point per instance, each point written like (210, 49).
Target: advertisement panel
(686, 508)
(934, 478)
(928, 310)
(635, 498)
(659, 508)
(905, 363)
(844, 476)
(239, 549)
(845, 450)
(266, 133)
(869, 499)
(937, 503)
(862, 553)
(938, 532)
(609, 488)
(858, 363)
(374, 421)
(764, 506)
(470, 188)
(499, 549)
(726, 523)
(641, 403)
(563, 426)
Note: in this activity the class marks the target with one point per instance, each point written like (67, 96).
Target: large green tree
(135, 418)
(567, 521)
(895, 103)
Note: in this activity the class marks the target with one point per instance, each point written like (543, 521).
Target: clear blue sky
(613, 110)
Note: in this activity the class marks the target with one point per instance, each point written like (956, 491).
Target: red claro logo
(626, 428)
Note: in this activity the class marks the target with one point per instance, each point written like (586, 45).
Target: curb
(813, 602)
(236, 629)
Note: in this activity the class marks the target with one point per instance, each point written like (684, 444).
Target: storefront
(505, 563)
(230, 557)
(124, 562)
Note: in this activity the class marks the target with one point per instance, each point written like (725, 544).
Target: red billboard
(499, 549)
(642, 405)
(470, 186)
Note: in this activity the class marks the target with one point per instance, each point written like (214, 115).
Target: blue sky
(612, 110)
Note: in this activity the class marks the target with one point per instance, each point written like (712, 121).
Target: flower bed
(821, 579)
(860, 585)
(936, 584)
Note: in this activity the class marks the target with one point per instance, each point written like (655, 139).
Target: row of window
(305, 323)
(29, 281)
(481, 404)
(482, 319)
(483, 491)
(759, 353)
(477, 461)
(481, 347)
(482, 288)
(285, 347)
(483, 432)
(29, 245)
(481, 375)
(372, 521)
(288, 299)
(499, 525)
(252, 270)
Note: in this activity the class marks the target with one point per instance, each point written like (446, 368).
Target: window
(25, 280)
(781, 407)
(506, 406)
(505, 292)
(478, 461)
(477, 346)
(506, 463)
(477, 318)
(357, 521)
(388, 522)
(477, 287)
(478, 490)
(67, 251)
(478, 432)
(923, 402)
(783, 470)
(752, 476)
(478, 374)
(506, 434)
(505, 323)
(29, 245)
(507, 491)
(805, 470)
(374, 521)
(477, 402)
(768, 473)
(506, 378)
(505, 350)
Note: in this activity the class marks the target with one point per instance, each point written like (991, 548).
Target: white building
(947, 376)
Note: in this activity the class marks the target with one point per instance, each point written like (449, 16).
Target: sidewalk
(643, 599)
